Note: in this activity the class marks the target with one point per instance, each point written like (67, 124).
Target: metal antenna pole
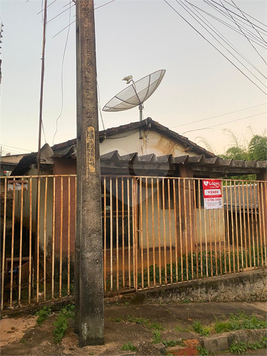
(42, 89)
(141, 107)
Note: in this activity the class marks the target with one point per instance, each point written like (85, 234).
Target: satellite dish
(136, 93)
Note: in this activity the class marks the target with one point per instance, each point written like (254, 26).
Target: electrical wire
(62, 68)
(225, 123)
(214, 117)
(252, 25)
(61, 13)
(214, 46)
(228, 43)
(47, 7)
(237, 24)
(252, 36)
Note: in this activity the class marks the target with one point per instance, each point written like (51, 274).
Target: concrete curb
(222, 342)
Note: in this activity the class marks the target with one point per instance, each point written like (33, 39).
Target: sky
(202, 95)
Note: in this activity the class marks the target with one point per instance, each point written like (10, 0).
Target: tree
(257, 149)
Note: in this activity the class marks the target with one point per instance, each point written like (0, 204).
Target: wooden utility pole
(89, 256)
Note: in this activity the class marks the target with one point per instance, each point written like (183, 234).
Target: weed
(61, 323)
(156, 326)
(179, 329)
(238, 348)
(202, 330)
(202, 351)
(127, 303)
(43, 314)
(128, 347)
(239, 321)
(171, 343)
(23, 341)
(186, 301)
(258, 345)
(156, 337)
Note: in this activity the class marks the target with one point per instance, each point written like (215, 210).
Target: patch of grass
(156, 337)
(146, 322)
(61, 324)
(202, 330)
(202, 351)
(43, 314)
(171, 343)
(128, 347)
(238, 348)
(258, 345)
(179, 329)
(238, 322)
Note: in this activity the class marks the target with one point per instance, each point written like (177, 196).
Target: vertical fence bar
(228, 227)
(53, 237)
(180, 229)
(4, 247)
(236, 228)
(135, 228)
(256, 223)
(30, 241)
(223, 226)
(190, 227)
(153, 231)
(129, 231)
(61, 237)
(252, 223)
(175, 228)
(200, 227)
(20, 241)
(210, 241)
(117, 233)
(38, 238)
(68, 236)
(159, 239)
(122, 232)
(12, 244)
(196, 227)
(206, 242)
(45, 222)
(248, 218)
(241, 228)
(263, 203)
(141, 231)
(215, 240)
(164, 230)
(244, 224)
(147, 237)
(105, 233)
(170, 229)
(185, 224)
(232, 226)
(260, 221)
(111, 233)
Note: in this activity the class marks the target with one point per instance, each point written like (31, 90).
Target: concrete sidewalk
(145, 329)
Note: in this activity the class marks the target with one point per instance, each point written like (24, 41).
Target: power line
(214, 117)
(214, 46)
(224, 123)
(229, 44)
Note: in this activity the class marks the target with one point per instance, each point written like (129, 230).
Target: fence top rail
(224, 180)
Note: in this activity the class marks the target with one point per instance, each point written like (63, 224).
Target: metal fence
(155, 231)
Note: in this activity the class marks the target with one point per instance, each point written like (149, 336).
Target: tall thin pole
(42, 88)
(88, 247)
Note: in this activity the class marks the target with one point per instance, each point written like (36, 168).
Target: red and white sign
(212, 193)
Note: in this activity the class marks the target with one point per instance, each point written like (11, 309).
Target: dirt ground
(22, 336)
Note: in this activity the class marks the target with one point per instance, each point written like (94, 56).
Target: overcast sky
(133, 38)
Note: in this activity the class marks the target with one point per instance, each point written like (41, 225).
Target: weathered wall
(150, 142)
(243, 286)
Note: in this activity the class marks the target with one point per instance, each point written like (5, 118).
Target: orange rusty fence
(155, 232)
